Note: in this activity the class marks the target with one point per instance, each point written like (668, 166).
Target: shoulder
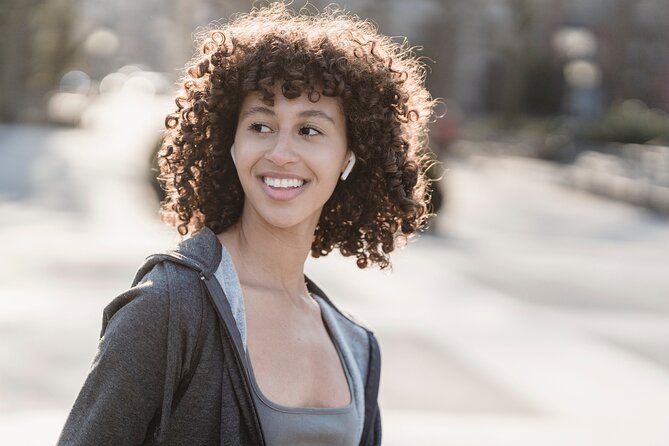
(167, 295)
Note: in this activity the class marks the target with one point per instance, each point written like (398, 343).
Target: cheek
(326, 169)
(245, 156)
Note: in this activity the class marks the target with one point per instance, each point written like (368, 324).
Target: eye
(309, 131)
(259, 128)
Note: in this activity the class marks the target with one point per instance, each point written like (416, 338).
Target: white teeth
(283, 182)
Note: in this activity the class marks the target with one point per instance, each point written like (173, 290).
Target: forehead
(254, 103)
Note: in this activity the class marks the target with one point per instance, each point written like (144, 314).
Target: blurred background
(534, 311)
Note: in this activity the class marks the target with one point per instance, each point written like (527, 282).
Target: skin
(293, 357)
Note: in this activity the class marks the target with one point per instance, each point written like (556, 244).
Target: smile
(283, 183)
(283, 189)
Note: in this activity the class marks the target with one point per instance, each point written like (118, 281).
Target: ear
(232, 153)
(349, 167)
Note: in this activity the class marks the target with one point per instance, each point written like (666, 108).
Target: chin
(287, 219)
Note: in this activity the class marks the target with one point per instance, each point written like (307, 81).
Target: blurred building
(504, 58)
(489, 56)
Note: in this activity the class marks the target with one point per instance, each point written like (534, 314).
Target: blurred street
(535, 315)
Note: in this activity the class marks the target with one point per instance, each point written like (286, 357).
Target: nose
(282, 151)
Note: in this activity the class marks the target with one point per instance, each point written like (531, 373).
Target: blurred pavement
(537, 315)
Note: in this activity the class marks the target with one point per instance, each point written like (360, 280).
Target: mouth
(283, 183)
(283, 189)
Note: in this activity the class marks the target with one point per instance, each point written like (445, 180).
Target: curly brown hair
(381, 86)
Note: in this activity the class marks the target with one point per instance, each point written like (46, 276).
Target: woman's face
(289, 157)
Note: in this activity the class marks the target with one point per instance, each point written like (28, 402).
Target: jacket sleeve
(135, 370)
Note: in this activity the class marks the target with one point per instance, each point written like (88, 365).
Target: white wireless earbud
(349, 167)
(232, 153)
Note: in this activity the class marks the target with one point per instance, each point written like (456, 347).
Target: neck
(270, 258)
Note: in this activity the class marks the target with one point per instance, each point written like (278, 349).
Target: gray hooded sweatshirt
(169, 369)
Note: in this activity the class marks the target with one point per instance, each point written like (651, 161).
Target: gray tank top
(288, 425)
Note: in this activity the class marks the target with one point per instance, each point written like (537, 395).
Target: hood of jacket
(200, 252)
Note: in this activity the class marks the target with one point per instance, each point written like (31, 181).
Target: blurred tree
(544, 86)
(515, 61)
(35, 50)
(630, 122)
(440, 40)
(12, 46)
(619, 33)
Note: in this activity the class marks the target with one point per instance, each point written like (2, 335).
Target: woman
(293, 134)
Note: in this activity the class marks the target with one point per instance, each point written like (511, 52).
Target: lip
(281, 194)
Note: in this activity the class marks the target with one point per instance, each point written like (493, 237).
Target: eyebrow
(260, 109)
